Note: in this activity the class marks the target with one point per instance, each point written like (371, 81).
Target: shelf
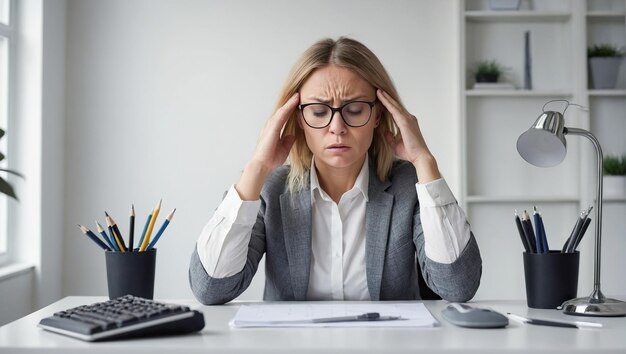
(517, 16)
(608, 93)
(605, 16)
(476, 199)
(516, 93)
(613, 199)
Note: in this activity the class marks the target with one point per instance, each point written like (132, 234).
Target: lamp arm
(597, 294)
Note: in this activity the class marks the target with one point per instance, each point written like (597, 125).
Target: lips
(338, 146)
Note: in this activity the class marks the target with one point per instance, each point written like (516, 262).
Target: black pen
(521, 232)
(370, 316)
(528, 227)
(539, 322)
(540, 232)
(580, 235)
(572, 237)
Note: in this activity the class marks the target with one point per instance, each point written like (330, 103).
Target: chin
(340, 161)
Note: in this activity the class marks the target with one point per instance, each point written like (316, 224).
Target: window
(6, 39)
(4, 12)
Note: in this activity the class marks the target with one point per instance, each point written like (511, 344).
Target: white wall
(165, 99)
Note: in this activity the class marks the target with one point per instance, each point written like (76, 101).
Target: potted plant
(604, 63)
(614, 175)
(5, 187)
(488, 71)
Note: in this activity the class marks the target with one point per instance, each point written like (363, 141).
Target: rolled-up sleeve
(223, 244)
(445, 226)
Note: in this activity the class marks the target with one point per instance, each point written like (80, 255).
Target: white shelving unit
(496, 179)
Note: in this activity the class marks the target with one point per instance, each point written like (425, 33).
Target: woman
(346, 219)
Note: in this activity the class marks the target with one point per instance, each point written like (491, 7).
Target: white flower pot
(614, 186)
(603, 71)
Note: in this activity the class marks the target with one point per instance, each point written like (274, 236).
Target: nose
(337, 125)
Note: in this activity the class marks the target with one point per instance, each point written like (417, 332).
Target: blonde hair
(353, 55)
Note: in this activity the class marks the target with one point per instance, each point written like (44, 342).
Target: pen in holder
(131, 273)
(551, 278)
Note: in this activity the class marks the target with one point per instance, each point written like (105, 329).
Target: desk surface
(23, 336)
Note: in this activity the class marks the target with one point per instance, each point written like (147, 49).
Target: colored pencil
(146, 239)
(161, 229)
(94, 238)
(117, 237)
(112, 243)
(143, 233)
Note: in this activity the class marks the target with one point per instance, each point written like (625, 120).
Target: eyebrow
(325, 101)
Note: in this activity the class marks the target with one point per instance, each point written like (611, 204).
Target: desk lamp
(544, 145)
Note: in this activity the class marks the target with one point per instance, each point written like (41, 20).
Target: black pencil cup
(131, 273)
(551, 278)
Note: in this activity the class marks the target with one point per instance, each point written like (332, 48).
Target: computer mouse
(464, 315)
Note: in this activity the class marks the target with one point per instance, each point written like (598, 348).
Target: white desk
(22, 336)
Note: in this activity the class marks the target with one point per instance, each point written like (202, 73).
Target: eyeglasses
(319, 115)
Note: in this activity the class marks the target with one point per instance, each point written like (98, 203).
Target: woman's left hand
(409, 145)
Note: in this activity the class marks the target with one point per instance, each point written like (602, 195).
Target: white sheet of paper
(300, 315)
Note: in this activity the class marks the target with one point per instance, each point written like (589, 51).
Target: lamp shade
(544, 144)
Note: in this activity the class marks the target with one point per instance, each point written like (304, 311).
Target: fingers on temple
(283, 113)
(397, 111)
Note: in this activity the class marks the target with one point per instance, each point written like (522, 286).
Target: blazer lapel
(377, 218)
(296, 217)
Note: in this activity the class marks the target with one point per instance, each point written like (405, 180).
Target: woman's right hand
(271, 152)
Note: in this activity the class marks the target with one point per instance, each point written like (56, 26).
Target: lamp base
(590, 306)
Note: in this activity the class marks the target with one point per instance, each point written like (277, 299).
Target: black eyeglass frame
(334, 110)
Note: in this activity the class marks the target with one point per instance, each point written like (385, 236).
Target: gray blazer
(394, 244)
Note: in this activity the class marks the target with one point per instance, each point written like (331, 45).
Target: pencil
(146, 239)
(116, 229)
(143, 233)
(161, 229)
(131, 231)
(101, 231)
(94, 238)
(116, 236)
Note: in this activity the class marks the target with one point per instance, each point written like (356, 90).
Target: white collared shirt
(338, 235)
(338, 241)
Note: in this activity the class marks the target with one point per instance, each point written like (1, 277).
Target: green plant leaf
(1, 132)
(489, 67)
(604, 50)
(5, 188)
(12, 172)
(1, 156)
(614, 165)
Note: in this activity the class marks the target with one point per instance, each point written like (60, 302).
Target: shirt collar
(360, 185)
